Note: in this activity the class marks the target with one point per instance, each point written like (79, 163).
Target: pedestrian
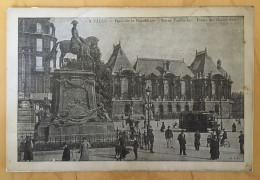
(122, 140)
(146, 141)
(234, 127)
(224, 136)
(84, 153)
(218, 134)
(209, 138)
(20, 149)
(28, 149)
(66, 152)
(118, 150)
(135, 147)
(197, 140)
(151, 139)
(139, 137)
(168, 137)
(214, 148)
(137, 124)
(175, 124)
(239, 122)
(241, 142)
(123, 121)
(162, 127)
(182, 141)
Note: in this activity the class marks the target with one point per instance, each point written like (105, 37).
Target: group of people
(83, 150)
(120, 149)
(216, 139)
(181, 138)
(26, 147)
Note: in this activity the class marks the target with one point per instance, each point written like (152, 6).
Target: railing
(73, 141)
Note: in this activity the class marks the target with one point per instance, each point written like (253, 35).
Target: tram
(197, 120)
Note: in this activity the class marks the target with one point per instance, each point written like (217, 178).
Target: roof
(149, 66)
(119, 61)
(203, 64)
(223, 72)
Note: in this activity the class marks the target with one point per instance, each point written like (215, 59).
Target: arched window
(46, 30)
(25, 26)
(51, 45)
(178, 108)
(38, 28)
(187, 107)
(169, 108)
(127, 109)
(217, 108)
(161, 110)
(124, 87)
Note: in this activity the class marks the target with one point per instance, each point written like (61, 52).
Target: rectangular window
(39, 65)
(51, 64)
(39, 44)
(51, 44)
(39, 28)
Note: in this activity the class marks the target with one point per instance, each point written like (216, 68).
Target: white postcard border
(12, 88)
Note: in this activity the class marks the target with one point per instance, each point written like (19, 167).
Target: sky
(167, 38)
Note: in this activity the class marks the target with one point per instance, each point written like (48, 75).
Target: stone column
(183, 89)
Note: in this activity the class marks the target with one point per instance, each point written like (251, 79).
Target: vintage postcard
(134, 89)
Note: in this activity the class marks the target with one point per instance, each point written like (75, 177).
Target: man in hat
(168, 137)
(76, 39)
(151, 139)
(28, 149)
(241, 142)
(182, 141)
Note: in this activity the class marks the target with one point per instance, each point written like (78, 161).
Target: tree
(103, 84)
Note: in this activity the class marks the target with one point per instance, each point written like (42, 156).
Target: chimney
(219, 64)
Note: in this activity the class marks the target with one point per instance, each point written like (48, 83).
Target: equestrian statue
(87, 51)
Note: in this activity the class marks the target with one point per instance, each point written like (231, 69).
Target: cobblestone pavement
(161, 151)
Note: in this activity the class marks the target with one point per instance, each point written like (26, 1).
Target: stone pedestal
(74, 108)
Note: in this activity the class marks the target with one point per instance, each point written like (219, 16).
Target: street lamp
(221, 93)
(148, 102)
(24, 86)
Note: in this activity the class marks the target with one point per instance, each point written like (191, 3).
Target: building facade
(174, 86)
(36, 37)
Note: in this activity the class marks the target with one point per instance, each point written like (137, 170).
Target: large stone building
(175, 87)
(36, 37)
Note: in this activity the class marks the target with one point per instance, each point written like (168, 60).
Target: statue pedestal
(74, 108)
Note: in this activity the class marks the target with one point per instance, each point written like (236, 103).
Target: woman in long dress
(214, 148)
(84, 153)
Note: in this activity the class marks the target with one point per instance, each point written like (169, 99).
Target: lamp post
(221, 122)
(148, 102)
(24, 86)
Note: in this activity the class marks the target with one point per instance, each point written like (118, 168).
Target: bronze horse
(67, 47)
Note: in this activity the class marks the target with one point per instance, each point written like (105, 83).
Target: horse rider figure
(76, 39)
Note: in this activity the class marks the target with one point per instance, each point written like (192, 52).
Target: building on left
(36, 37)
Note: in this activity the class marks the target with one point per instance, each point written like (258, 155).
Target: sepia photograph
(131, 89)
